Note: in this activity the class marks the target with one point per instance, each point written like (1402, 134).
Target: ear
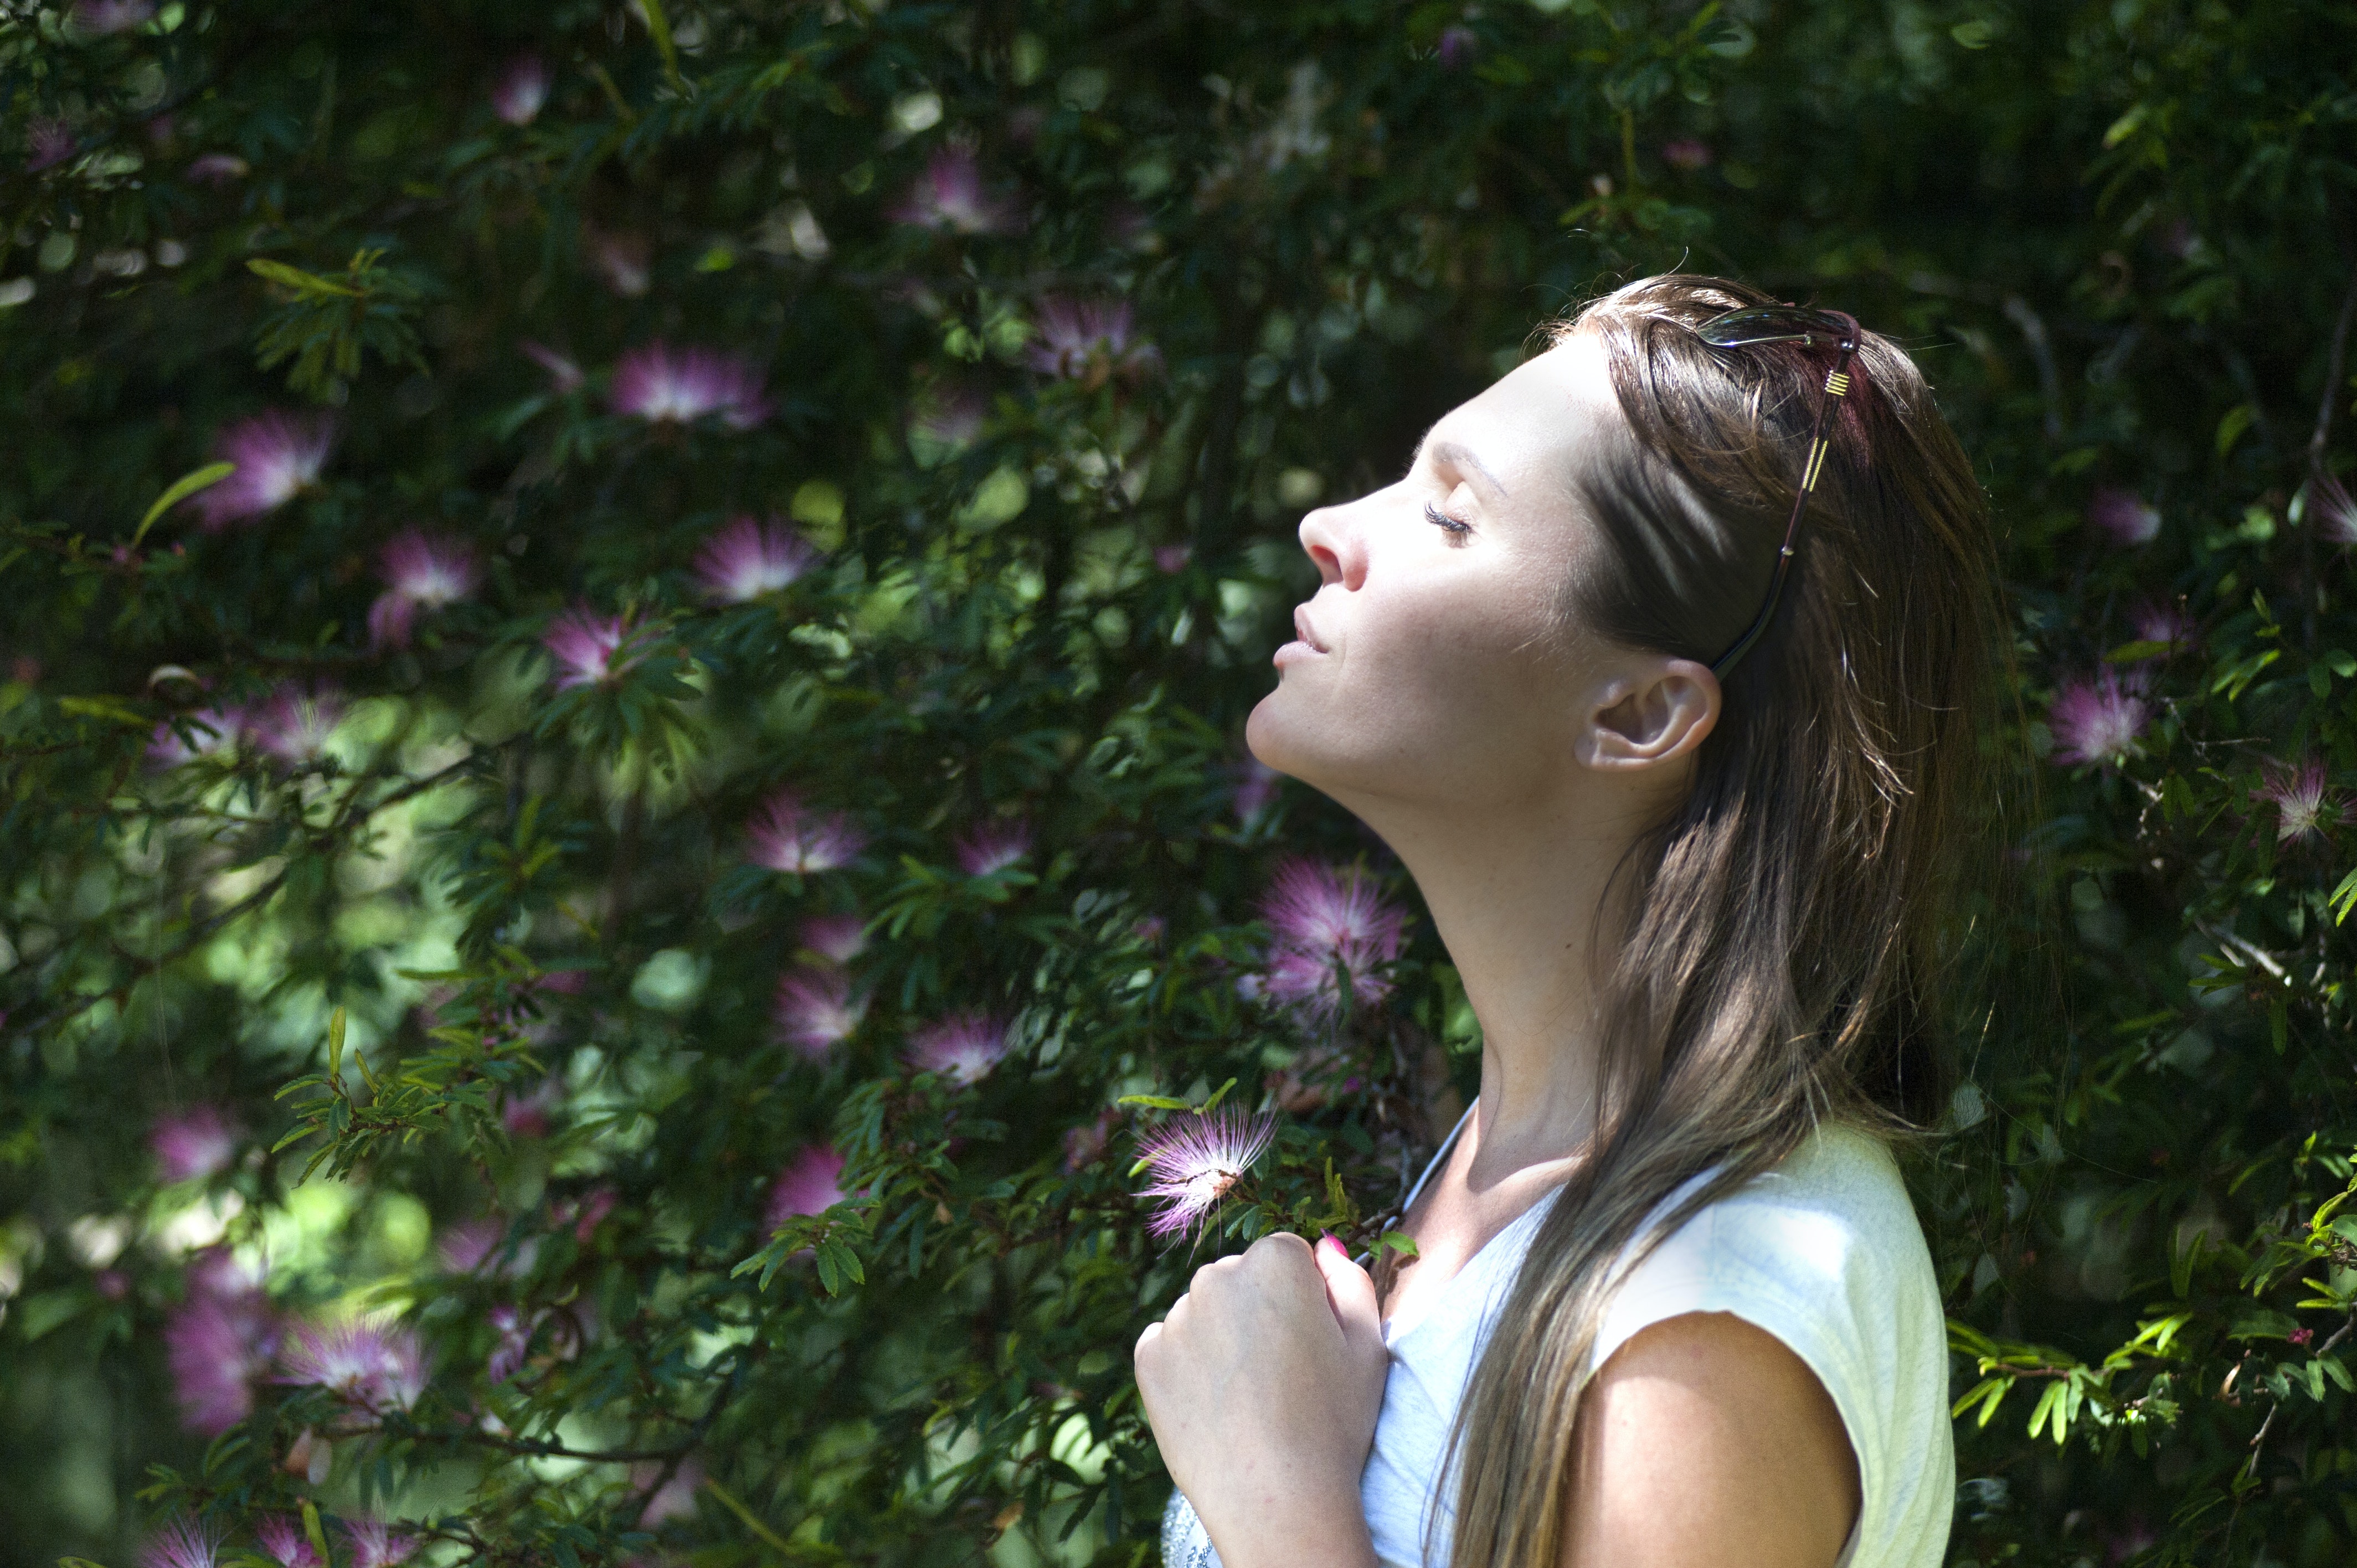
(1655, 714)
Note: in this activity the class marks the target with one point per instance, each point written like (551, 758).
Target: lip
(1303, 630)
(1305, 644)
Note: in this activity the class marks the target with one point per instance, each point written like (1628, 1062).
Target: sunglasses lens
(1768, 324)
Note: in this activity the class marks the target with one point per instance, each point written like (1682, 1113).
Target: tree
(629, 632)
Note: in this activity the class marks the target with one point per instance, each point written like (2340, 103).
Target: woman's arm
(1263, 1385)
(1704, 1441)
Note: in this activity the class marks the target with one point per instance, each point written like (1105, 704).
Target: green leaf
(1217, 1095)
(180, 489)
(1398, 1242)
(2344, 899)
(309, 284)
(659, 29)
(2230, 428)
(1153, 1101)
(102, 708)
(2132, 652)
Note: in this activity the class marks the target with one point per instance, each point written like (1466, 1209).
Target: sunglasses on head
(1786, 324)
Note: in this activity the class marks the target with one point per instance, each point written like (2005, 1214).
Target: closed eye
(1458, 530)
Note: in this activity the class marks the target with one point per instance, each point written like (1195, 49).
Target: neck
(1517, 895)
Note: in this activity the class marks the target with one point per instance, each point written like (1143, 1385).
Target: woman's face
(1433, 667)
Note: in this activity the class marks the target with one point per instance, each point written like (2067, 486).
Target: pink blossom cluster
(1089, 341)
(746, 558)
(786, 835)
(591, 649)
(662, 385)
(963, 1047)
(2305, 803)
(2097, 720)
(423, 572)
(281, 1538)
(2122, 516)
(1195, 1161)
(372, 1364)
(522, 90)
(1332, 935)
(951, 196)
(278, 455)
(811, 1183)
(219, 1342)
(192, 1143)
(816, 1010)
(992, 847)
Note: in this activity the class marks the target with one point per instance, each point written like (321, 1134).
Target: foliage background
(2116, 233)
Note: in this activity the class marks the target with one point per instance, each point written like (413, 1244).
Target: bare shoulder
(1705, 1440)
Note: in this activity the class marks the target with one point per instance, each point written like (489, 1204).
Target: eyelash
(1458, 530)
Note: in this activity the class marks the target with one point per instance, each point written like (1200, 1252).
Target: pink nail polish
(1330, 1242)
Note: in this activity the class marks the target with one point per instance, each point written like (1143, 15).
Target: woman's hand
(1263, 1385)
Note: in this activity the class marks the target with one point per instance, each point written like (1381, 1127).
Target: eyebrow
(1462, 456)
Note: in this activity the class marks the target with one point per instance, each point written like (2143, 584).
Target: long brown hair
(1779, 961)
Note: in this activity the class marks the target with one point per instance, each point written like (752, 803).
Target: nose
(1332, 540)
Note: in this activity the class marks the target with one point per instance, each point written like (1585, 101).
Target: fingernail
(1330, 1239)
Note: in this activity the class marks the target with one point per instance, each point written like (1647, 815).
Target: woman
(1678, 752)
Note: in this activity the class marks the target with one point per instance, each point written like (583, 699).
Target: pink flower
(675, 1498)
(374, 1364)
(374, 1544)
(2301, 1337)
(1171, 559)
(52, 143)
(2096, 721)
(1686, 154)
(961, 1048)
(1084, 1146)
(1089, 341)
(295, 724)
(422, 572)
(659, 384)
(745, 558)
(1195, 1161)
(619, 260)
(786, 837)
(564, 375)
(2163, 621)
(588, 1212)
(811, 1184)
(1331, 928)
(817, 1011)
(1256, 791)
(838, 939)
(992, 847)
(2122, 516)
(950, 195)
(515, 1331)
(1457, 47)
(526, 1115)
(217, 168)
(193, 1144)
(590, 650)
(210, 730)
(217, 1343)
(2336, 513)
(467, 1245)
(281, 1535)
(2305, 806)
(521, 90)
(278, 455)
(96, 18)
(181, 1544)
(945, 421)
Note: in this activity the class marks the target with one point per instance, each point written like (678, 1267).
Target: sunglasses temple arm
(1837, 387)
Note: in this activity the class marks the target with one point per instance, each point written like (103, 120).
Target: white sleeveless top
(1824, 1252)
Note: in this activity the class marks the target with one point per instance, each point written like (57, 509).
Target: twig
(2041, 350)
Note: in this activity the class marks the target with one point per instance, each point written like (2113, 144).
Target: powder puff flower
(2096, 721)
(210, 730)
(675, 1498)
(838, 939)
(278, 455)
(1686, 154)
(590, 650)
(97, 18)
(181, 1544)
(1084, 1146)
(217, 168)
(52, 142)
(1088, 341)
(816, 1010)
(281, 1535)
(746, 558)
(375, 1544)
(372, 1364)
(620, 260)
(2163, 621)
(295, 724)
(422, 572)
(217, 1343)
(2122, 516)
(1195, 1162)
(192, 1143)
(2305, 806)
(464, 1247)
(963, 1047)
(811, 1184)
(1331, 927)
(564, 375)
(521, 90)
(662, 385)
(787, 837)
(945, 421)
(585, 1213)
(992, 847)
(1256, 791)
(2336, 513)
(515, 1332)
(950, 195)
(1456, 47)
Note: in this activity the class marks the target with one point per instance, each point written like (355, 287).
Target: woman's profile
(1662, 670)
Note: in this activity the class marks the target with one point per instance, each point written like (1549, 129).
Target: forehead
(1531, 423)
